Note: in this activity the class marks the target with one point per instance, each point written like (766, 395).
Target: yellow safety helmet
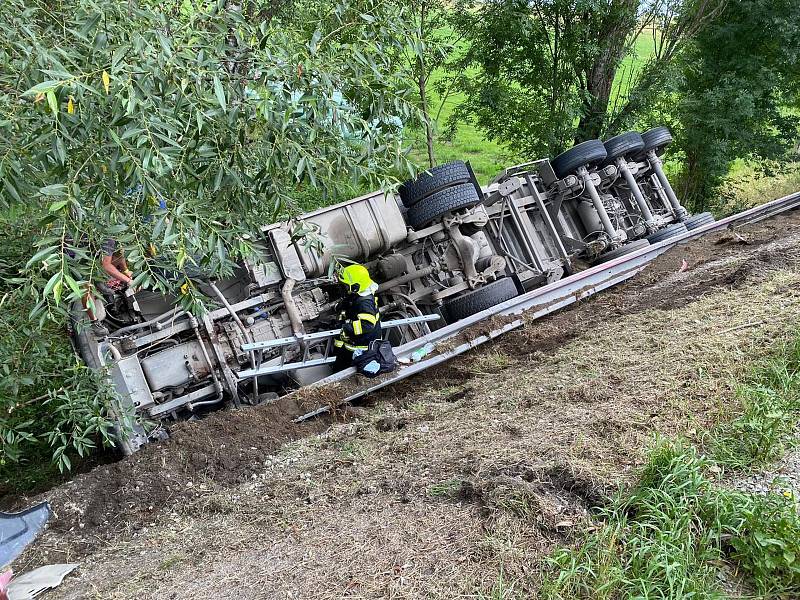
(355, 278)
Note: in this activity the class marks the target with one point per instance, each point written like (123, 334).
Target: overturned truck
(442, 249)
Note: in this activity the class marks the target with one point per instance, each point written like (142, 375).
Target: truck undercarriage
(443, 249)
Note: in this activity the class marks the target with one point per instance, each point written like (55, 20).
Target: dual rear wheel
(438, 191)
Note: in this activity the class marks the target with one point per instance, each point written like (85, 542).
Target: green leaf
(44, 252)
(12, 191)
(42, 88)
(56, 189)
(52, 101)
(51, 283)
(73, 285)
(312, 46)
(56, 206)
(220, 93)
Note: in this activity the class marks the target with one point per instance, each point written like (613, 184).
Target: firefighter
(359, 317)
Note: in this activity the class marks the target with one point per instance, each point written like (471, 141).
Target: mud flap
(17, 530)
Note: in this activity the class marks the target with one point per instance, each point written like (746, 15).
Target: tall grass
(770, 404)
(667, 536)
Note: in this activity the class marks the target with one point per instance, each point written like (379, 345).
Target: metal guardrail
(540, 302)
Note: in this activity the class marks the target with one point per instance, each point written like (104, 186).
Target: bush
(768, 545)
(51, 405)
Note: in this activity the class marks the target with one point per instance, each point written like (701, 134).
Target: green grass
(668, 535)
(486, 156)
(770, 405)
(643, 48)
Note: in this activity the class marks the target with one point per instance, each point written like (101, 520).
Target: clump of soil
(553, 497)
(226, 447)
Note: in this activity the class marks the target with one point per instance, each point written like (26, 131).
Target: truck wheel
(696, 221)
(440, 203)
(433, 180)
(85, 344)
(475, 301)
(586, 153)
(668, 232)
(625, 143)
(656, 139)
(623, 250)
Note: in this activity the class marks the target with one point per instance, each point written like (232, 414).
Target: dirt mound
(554, 497)
(224, 448)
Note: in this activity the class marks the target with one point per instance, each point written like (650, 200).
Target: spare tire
(431, 181)
(440, 203)
(478, 300)
(656, 139)
(623, 250)
(628, 143)
(697, 221)
(586, 153)
(668, 232)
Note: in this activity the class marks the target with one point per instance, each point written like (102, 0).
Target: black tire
(84, 343)
(697, 221)
(440, 203)
(668, 232)
(625, 144)
(586, 153)
(623, 250)
(478, 300)
(656, 139)
(433, 180)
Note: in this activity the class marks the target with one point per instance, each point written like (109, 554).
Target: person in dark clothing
(358, 315)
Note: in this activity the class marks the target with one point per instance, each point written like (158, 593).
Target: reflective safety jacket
(360, 322)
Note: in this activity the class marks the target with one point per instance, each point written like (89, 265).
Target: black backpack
(379, 351)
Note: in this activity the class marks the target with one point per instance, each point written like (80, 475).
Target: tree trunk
(611, 37)
(693, 184)
(422, 82)
(423, 95)
(599, 81)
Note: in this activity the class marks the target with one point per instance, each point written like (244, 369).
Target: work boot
(99, 330)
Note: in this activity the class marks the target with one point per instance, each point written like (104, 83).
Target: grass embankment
(670, 534)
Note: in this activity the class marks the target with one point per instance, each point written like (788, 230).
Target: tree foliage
(219, 112)
(540, 74)
(739, 92)
(175, 128)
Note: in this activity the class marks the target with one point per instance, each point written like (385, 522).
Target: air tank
(357, 230)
